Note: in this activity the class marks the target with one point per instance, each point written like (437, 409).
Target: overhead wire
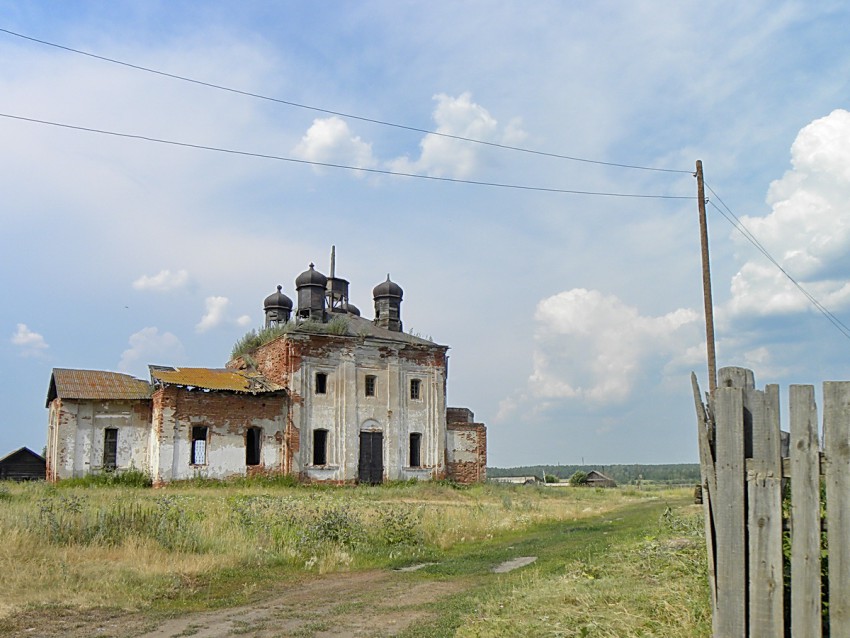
(738, 225)
(362, 169)
(259, 96)
(727, 214)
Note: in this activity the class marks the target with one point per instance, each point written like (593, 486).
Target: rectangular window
(415, 389)
(253, 443)
(320, 447)
(415, 447)
(199, 445)
(110, 448)
(321, 383)
(370, 385)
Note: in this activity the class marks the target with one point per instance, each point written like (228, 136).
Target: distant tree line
(670, 473)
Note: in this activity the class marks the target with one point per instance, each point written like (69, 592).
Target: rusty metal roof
(95, 384)
(214, 379)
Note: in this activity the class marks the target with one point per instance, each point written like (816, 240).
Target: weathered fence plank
(735, 377)
(836, 434)
(729, 513)
(709, 493)
(805, 513)
(744, 459)
(764, 515)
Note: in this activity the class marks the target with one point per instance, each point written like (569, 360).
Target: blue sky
(574, 321)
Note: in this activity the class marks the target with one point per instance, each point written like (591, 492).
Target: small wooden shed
(23, 465)
(598, 479)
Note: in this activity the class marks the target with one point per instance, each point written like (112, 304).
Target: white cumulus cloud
(31, 343)
(807, 230)
(215, 315)
(163, 281)
(149, 346)
(329, 140)
(460, 116)
(593, 347)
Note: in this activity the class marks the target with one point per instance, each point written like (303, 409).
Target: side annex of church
(322, 394)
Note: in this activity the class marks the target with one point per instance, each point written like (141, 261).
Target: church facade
(321, 394)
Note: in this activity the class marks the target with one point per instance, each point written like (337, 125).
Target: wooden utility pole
(706, 283)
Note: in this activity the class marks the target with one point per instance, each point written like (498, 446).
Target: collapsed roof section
(245, 381)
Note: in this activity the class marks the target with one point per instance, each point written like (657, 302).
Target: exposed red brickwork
(470, 471)
(276, 360)
(162, 398)
(433, 356)
(142, 410)
(230, 411)
(459, 415)
(293, 444)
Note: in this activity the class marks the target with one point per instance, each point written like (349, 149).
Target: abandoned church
(322, 394)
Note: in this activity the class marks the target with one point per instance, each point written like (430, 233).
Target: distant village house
(598, 479)
(22, 465)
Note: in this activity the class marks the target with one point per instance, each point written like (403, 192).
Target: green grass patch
(639, 573)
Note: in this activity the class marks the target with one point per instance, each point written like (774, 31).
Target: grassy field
(609, 562)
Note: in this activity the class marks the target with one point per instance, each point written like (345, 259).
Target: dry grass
(125, 547)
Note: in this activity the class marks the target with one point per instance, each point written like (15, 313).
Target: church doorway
(371, 468)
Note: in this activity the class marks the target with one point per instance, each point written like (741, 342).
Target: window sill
(323, 467)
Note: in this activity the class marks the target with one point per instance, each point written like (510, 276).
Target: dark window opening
(321, 383)
(370, 385)
(253, 443)
(199, 445)
(415, 448)
(415, 389)
(320, 447)
(110, 448)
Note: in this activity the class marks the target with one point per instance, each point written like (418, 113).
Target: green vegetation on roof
(253, 339)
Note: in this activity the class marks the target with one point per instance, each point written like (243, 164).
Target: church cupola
(310, 286)
(277, 308)
(387, 297)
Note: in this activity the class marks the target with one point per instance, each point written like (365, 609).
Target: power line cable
(377, 171)
(415, 129)
(738, 225)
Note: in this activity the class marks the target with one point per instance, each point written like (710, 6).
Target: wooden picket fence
(747, 463)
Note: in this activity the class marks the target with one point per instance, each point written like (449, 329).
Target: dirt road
(350, 605)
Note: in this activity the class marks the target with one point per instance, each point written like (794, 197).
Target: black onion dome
(278, 300)
(311, 277)
(387, 289)
(352, 309)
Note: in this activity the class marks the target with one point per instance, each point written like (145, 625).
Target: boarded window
(110, 448)
(321, 383)
(370, 385)
(199, 445)
(415, 449)
(415, 389)
(320, 447)
(253, 446)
